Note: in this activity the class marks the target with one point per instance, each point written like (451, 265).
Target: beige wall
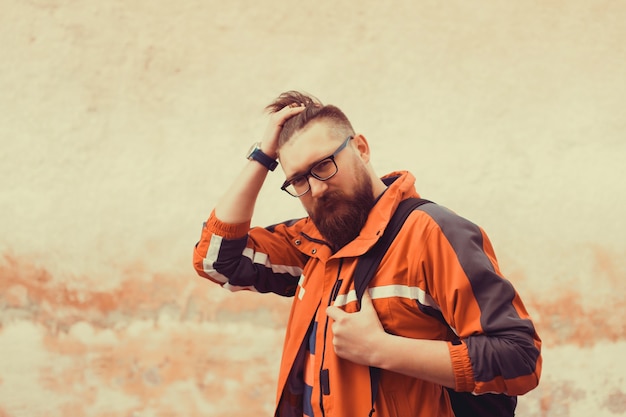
(121, 123)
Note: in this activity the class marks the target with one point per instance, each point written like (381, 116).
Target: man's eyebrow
(307, 170)
(301, 173)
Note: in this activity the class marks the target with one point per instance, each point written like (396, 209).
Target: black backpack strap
(368, 263)
(464, 404)
(374, 379)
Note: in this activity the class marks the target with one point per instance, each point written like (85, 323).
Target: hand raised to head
(269, 144)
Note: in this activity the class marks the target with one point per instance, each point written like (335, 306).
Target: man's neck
(378, 187)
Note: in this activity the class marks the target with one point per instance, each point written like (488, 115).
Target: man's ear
(362, 147)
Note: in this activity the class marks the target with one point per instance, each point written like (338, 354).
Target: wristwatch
(255, 153)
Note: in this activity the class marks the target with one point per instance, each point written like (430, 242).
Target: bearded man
(481, 339)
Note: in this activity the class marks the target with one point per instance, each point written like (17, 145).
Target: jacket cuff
(226, 230)
(462, 367)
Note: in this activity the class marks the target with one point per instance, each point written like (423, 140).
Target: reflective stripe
(235, 288)
(208, 263)
(343, 299)
(389, 291)
(301, 288)
(211, 257)
(263, 259)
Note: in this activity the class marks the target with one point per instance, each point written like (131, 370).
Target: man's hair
(315, 111)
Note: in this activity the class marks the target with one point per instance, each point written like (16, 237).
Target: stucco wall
(122, 122)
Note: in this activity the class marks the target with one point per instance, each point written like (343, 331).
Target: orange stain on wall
(147, 341)
(175, 344)
(570, 315)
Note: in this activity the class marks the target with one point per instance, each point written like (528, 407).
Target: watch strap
(268, 162)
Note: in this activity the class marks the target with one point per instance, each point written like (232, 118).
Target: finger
(287, 113)
(293, 108)
(335, 313)
(296, 110)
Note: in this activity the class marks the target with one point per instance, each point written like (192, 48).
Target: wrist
(257, 154)
(378, 352)
(268, 150)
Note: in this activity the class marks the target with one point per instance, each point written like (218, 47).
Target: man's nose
(317, 187)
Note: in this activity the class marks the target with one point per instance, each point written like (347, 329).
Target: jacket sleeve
(498, 349)
(238, 257)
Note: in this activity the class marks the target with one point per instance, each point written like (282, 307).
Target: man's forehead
(305, 148)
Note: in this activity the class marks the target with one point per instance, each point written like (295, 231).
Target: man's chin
(340, 218)
(341, 228)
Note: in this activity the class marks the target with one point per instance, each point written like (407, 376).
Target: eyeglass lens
(322, 171)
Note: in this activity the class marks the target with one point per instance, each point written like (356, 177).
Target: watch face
(255, 153)
(253, 148)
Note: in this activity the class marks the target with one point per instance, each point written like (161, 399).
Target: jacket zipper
(324, 376)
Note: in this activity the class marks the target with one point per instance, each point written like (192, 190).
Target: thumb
(335, 313)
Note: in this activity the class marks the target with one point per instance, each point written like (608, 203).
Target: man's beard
(340, 217)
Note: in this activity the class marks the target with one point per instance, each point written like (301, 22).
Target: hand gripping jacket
(439, 264)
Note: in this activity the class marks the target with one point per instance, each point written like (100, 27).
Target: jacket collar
(400, 186)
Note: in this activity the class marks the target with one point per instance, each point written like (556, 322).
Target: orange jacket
(439, 265)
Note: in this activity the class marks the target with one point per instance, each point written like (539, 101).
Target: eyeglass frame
(310, 173)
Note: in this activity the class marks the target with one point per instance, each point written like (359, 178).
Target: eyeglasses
(322, 170)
